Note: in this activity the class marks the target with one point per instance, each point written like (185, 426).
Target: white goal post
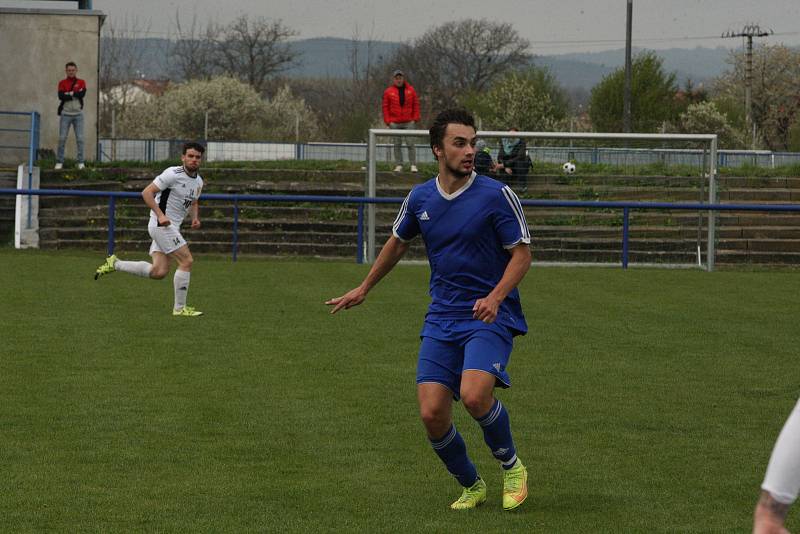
(707, 154)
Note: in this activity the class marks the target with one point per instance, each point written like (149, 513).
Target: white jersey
(177, 192)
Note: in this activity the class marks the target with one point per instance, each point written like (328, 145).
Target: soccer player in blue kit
(478, 247)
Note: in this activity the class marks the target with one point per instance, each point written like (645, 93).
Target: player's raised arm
(392, 251)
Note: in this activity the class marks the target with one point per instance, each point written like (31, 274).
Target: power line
(646, 40)
(748, 32)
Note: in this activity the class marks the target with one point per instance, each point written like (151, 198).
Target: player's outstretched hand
(485, 310)
(354, 297)
(195, 224)
(770, 515)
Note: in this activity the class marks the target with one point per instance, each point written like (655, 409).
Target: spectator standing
(71, 91)
(512, 159)
(401, 112)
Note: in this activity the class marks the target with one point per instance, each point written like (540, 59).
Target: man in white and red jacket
(401, 112)
(71, 91)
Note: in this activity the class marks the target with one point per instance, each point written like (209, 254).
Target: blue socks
(497, 434)
(453, 452)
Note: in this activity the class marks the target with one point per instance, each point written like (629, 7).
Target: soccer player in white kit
(782, 481)
(173, 194)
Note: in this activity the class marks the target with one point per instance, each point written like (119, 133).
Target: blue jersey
(467, 236)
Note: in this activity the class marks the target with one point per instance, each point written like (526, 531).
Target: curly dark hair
(193, 146)
(448, 116)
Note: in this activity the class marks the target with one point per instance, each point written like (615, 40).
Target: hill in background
(329, 58)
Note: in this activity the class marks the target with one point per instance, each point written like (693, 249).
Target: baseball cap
(398, 72)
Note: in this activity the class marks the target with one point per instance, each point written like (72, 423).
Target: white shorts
(166, 239)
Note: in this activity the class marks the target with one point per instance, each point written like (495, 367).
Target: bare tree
(192, 53)
(347, 107)
(459, 57)
(120, 60)
(254, 50)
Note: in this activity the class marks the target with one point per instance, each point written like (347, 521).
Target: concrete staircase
(559, 234)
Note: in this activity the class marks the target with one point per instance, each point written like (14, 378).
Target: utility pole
(749, 31)
(626, 95)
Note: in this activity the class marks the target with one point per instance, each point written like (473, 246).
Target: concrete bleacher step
(130, 234)
(559, 234)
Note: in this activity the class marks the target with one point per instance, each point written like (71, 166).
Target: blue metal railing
(626, 207)
(32, 147)
(33, 135)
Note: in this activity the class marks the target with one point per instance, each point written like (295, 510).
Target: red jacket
(393, 112)
(78, 88)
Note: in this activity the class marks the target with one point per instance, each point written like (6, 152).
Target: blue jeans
(63, 130)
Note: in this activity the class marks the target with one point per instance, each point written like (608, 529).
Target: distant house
(134, 92)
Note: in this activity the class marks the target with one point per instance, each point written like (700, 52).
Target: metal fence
(626, 208)
(149, 150)
(19, 134)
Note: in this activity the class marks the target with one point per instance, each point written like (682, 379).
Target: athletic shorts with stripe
(166, 239)
(450, 347)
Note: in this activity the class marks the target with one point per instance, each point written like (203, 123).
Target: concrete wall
(34, 46)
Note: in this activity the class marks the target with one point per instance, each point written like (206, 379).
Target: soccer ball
(568, 168)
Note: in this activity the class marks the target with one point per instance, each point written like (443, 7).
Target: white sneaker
(59, 166)
(81, 166)
(414, 168)
(399, 168)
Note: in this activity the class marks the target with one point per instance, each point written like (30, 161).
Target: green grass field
(643, 401)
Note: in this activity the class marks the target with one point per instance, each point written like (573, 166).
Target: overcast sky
(552, 27)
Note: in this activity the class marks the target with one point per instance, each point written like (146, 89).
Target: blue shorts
(450, 347)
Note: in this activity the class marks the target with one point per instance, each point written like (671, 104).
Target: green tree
(529, 99)
(775, 94)
(235, 110)
(652, 97)
(288, 118)
(704, 117)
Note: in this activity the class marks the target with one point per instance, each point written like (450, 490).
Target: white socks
(783, 473)
(181, 283)
(139, 268)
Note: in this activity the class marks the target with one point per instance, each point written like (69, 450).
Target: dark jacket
(517, 160)
(483, 163)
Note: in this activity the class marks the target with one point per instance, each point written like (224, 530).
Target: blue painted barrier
(361, 201)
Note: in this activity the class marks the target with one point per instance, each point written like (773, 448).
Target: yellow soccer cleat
(107, 267)
(515, 486)
(187, 311)
(472, 496)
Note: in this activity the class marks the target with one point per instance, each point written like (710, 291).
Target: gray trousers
(398, 150)
(76, 121)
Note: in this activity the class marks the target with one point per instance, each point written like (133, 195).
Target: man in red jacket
(400, 112)
(71, 91)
